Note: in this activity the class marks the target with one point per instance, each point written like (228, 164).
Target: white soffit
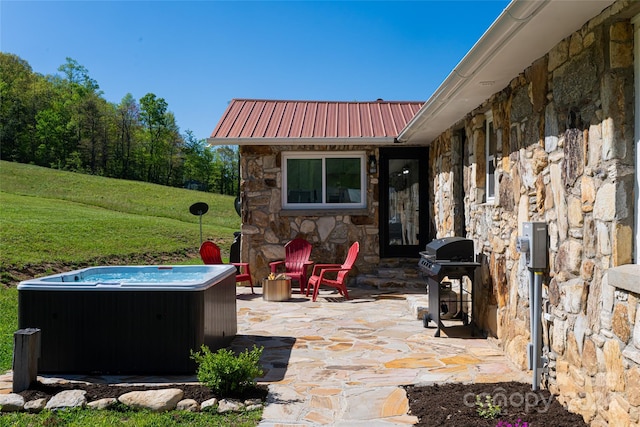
(524, 32)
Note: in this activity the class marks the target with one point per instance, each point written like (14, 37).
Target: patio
(342, 362)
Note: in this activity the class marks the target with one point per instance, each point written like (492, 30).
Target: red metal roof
(256, 121)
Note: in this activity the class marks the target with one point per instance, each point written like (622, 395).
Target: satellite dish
(236, 204)
(199, 209)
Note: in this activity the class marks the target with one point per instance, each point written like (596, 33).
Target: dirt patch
(454, 405)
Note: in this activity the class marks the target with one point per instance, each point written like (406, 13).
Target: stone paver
(343, 362)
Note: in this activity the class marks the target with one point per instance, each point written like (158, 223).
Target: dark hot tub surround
(123, 325)
(452, 258)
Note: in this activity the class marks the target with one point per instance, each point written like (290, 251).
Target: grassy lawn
(59, 220)
(54, 216)
(83, 418)
(8, 325)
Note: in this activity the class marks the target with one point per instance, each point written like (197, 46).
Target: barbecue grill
(452, 258)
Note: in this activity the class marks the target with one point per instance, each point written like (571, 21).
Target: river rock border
(160, 400)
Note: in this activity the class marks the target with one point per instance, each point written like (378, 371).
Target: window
(323, 180)
(636, 50)
(491, 147)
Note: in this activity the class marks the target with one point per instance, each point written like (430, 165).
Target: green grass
(8, 325)
(83, 418)
(118, 195)
(49, 216)
(56, 219)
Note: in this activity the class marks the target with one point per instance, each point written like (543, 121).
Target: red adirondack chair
(319, 275)
(210, 254)
(296, 261)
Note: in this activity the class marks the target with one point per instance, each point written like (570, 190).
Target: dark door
(404, 224)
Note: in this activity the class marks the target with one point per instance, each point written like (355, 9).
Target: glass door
(403, 202)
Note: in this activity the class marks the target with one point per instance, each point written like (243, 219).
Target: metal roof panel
(281, 119)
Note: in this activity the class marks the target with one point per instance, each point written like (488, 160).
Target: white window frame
(636, 50)
(489, 129)
(323, 156)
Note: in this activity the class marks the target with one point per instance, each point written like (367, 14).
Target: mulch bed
(454, 405)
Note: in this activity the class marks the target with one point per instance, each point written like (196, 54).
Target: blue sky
(198, 55)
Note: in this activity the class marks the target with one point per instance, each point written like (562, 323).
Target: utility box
(534, 243)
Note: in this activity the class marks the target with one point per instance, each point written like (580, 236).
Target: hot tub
(129, 319)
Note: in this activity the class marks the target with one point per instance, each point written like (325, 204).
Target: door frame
(386, 154)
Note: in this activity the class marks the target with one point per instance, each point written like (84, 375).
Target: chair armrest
(330, 270)
(274, 265)
(241, 265)
(322, 266)
(306, 266)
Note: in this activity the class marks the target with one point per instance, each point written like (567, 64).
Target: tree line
(62, 121)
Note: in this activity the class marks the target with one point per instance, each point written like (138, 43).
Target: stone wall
(266, 227)
(565, 143)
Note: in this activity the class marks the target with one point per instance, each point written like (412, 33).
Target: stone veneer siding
(266, 227)
(566, 157)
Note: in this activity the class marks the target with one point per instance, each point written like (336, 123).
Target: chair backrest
(349, 261)
(210, 253)
(297, 252)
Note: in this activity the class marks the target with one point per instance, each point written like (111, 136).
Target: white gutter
(499, 33)
(303, 141)
(525, 31)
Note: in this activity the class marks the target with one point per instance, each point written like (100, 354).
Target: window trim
(490, 198)
(636, 64)
(323, 156)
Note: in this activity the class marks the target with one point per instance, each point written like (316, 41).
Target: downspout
(636, 85)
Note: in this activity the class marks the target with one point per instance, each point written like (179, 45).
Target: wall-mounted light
(373, 164)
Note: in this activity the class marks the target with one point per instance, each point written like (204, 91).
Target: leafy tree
(198, 162)
(226, 165)
(127, 127)
(22, 93)
(63, 121)
(153, 118)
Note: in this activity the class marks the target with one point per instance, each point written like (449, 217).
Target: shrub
(226, 373)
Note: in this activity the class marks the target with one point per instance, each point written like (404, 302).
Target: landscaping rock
(105, 403)
(154, 400)
(230, 405)
(209, 404)
(35, 406)
(67, 399)
(188, 405)
(11, 402)
(251, 404)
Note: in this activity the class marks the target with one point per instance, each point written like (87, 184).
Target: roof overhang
(301, 141)
(524, 32)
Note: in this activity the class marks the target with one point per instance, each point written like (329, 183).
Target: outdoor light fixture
(373, 164)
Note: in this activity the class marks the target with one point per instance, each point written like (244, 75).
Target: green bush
(226, 373)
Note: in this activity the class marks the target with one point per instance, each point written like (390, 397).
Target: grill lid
(450, 249)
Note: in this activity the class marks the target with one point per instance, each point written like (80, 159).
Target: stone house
(314, 169)
(536, 123)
